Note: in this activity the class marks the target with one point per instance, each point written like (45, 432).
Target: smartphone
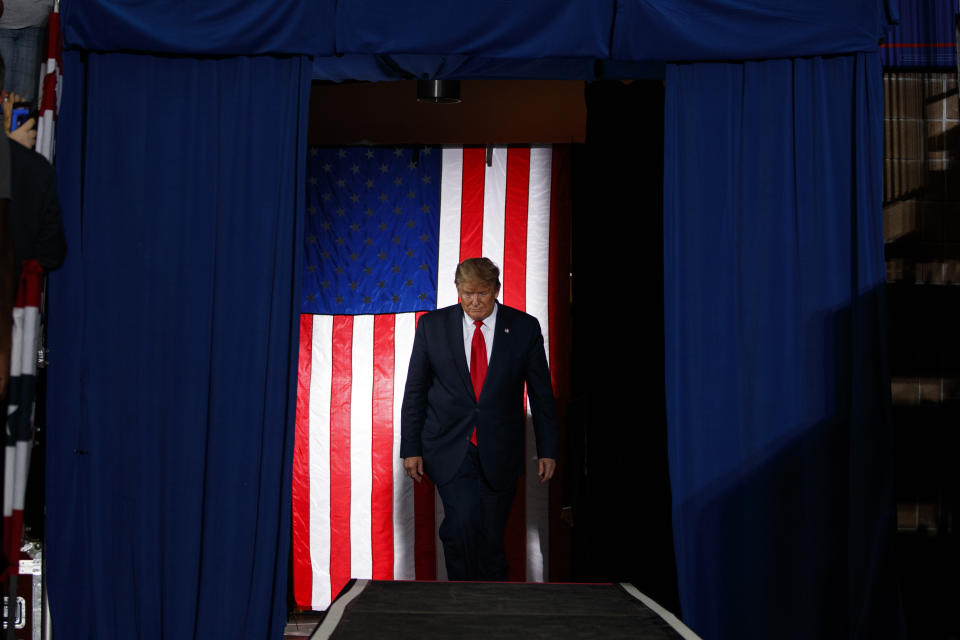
(22, 111)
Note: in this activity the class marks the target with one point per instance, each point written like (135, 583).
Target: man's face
(477, 298)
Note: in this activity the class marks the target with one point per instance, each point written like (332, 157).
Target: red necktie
(478, 366)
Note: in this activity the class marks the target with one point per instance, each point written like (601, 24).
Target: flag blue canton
(373, 219)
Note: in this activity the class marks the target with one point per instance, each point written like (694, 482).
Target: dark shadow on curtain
(796, 540)
(174, 322)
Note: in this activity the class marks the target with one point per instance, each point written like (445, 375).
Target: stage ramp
(488, 611)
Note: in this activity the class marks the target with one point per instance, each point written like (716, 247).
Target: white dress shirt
(488, 329)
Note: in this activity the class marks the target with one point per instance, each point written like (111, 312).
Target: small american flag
(50, 89)
(20, 408)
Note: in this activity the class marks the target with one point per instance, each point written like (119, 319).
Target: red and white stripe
(23, 367)
(50, 89)
(355, 512)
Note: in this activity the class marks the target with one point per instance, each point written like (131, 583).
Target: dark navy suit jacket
(440, 410)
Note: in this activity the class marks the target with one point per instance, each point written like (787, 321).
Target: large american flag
(385, 231)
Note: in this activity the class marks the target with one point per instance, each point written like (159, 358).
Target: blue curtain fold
(745, 29)
(780, 440)
(174, 322)
(541, 38)
(533, 29)
(924, 37)
(203, 27)
(384, 68)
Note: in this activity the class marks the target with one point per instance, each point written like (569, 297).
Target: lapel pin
(506, 330)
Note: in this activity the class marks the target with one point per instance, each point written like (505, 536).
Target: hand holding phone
(22, 111)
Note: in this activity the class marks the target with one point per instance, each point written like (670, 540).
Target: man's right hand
(414, 467)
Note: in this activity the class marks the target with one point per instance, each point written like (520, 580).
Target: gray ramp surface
(488, 611)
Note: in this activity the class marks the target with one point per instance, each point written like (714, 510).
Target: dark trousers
(474, 521)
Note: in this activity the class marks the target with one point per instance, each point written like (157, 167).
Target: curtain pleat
(780, 440)
(174, 321)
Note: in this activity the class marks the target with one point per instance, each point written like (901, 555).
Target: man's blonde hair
(478, 269)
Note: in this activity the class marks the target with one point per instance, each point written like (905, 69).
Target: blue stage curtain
(174, 324)
(208, 27)
(780, 440)
(385, 68)
(479, 38)
(925, 36)
(745, 29)
(499, 29)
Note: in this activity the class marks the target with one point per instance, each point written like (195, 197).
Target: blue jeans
(22, 50)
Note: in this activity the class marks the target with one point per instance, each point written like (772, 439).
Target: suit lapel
(500, 342)
(455, 335)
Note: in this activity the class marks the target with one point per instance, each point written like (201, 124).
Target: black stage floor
(484, 610)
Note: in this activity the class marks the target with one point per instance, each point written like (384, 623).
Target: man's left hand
(547, 467)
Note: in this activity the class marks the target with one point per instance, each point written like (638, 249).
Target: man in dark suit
(463, 420)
